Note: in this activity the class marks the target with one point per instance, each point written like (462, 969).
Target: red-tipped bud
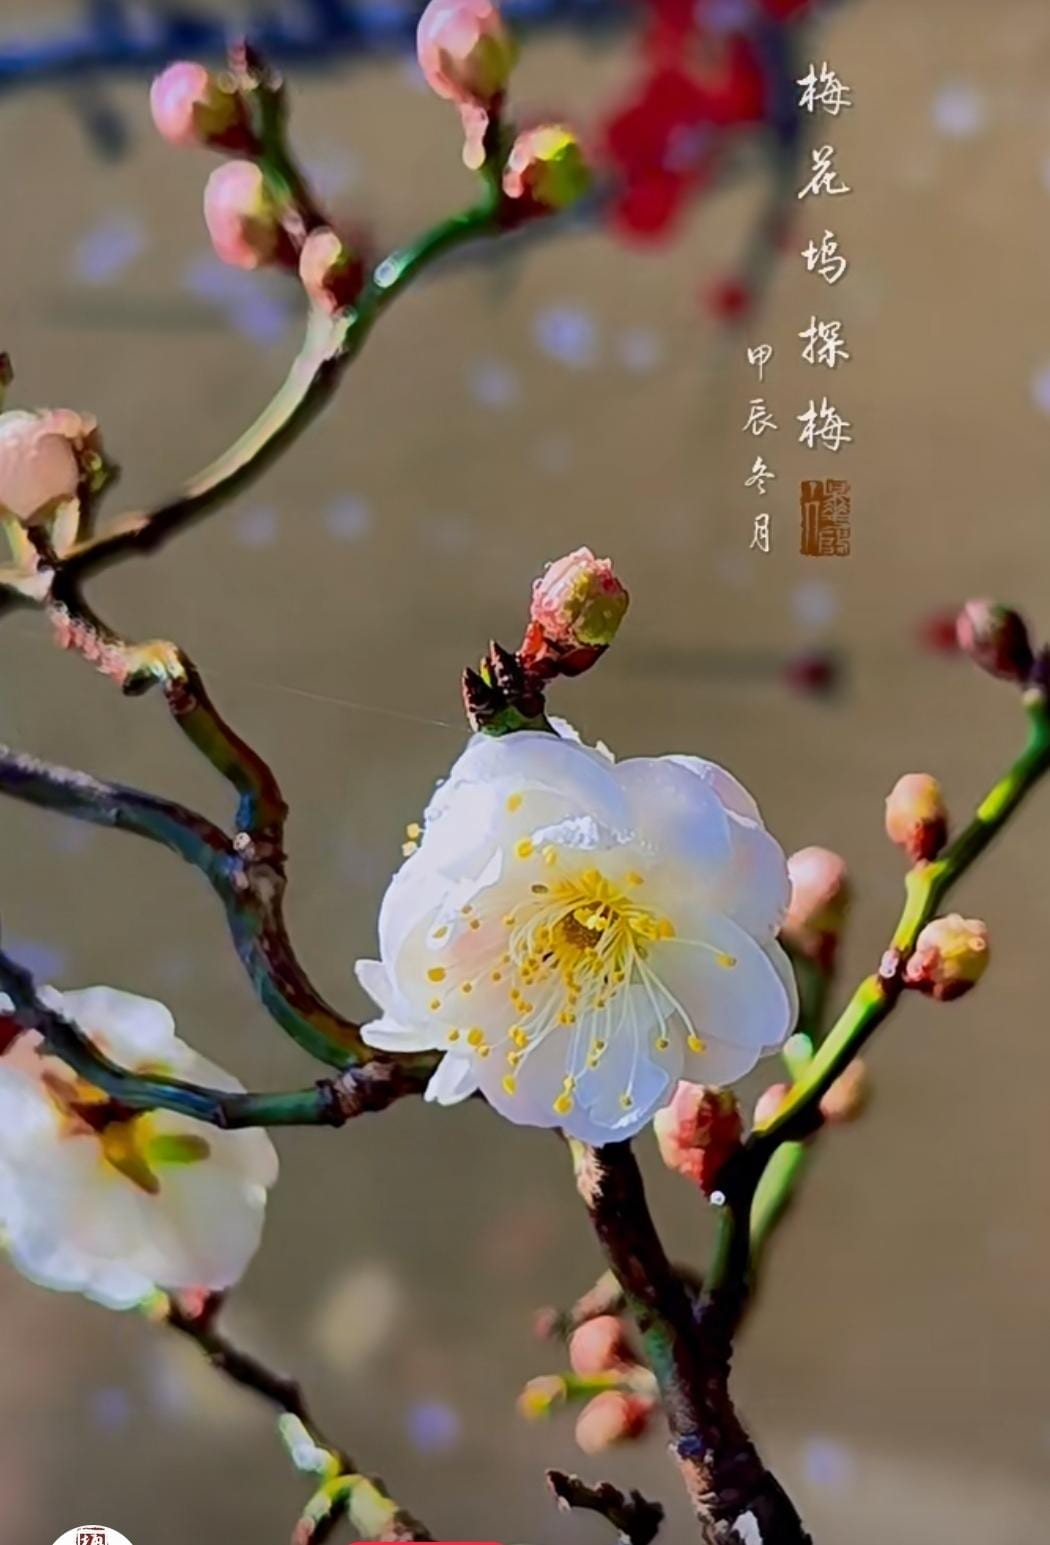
(242, 218)
(917, 816)
(599, 1346)
(820, 897)
(465, 51)
(546, 171)
(769, 1102)
(612, 1417)
(951, 954)
(848, 1095)
(191, 106)
(996, 639)
(330, 272)
(698, 1131)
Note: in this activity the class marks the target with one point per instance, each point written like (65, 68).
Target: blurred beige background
(897, 1369)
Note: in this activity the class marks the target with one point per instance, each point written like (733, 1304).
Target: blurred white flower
(578, 935)
(114, 1209)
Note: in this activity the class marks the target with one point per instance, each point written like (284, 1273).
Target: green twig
(758, 1184)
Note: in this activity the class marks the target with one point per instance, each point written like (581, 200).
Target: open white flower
(116, 1209)
(577, 934)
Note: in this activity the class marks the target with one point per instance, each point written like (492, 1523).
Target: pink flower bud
(996, 639)
(330, 272)
(242, 218)
(546, 170)
(44, 458)
(465, 51)
(599, 1346)
(848, 1095)
(578, 603)
(612, 1417)
(820, 897)
(917, 816)
(950, 955)
(769, 1102)
(698, 1131)
(191, 106)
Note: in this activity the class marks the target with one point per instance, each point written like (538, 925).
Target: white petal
(747, 1004)
(373, 976)
(133, 1031)
(757, 892)
(454, 1079)
(391, 1035)
(730, 790)
(651, 1077)
(678, 816)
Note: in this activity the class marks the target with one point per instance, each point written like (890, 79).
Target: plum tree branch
(345, 1492)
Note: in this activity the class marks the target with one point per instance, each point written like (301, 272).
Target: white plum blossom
(578, 934)
(115, 1209)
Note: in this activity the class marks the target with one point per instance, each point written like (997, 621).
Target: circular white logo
(92, 1534)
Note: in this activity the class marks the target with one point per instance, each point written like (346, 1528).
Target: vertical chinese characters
(825, 505)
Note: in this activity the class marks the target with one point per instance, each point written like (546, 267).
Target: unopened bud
(539, 1397)
(242, 218)
(45, 458)
(698, 1131)
(330, 272)
(191, 106)
(917, 816)
(820, 897)
(769, 1102)
(546, 170)
(996, 639)
(465, 51)
(848, 1095)
(612, 1417)
(599, 1346)
(579, 603)
(950, 955)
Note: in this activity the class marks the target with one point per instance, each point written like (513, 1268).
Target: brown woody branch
(734, 1496)
(636, 1519)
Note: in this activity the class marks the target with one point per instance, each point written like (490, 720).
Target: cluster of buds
(257, 216)
(917, 816)
(619, 1391)
(698, 1131)
(844, 1101)
(820, 898)
(467, 55)
(950, 956)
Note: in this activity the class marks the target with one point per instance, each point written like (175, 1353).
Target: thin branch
(325, 1104)
(346, 1493)
(249, 879)
(758, 1184)
(636, 1520)
(723, 1475)
(329, 348)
